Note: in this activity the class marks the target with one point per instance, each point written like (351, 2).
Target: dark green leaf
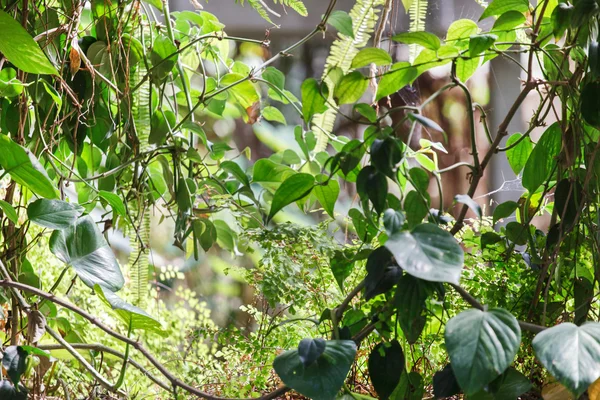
(428, 252)
(8, 391)
(341, 21)
(425, 39)
(517, 156)
(323, 379)
(489, 238)
(386, 365)
(309, 350)
(14, 360)
(516, 233)
(53, 214)
(25, 169)
(371, 55)
(399, 75)
(83, 247)
(393, 221)
(163, 57)
(561, 19)
(420, 179)
(590, 104)
(410, 301)
(350, 88)
(327, 194)
(480, 43)
(312, 100)
(472, 204)
(481, 346)
(341, 267)
(568, 201)
(20, 49)
(542, 160)
(505, 210)
(385, 155)
(426, 122)
(444, 383)
(415, 207)
(372, 184)
(292, 189)
(499, 7)
(162, 123)
(571, 354)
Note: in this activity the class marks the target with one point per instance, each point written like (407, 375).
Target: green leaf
(163, 57)
(499, 7)
(571, 354)
(9, 211)
(54, 214)
(480, 43)
(20, 49)
(420, 179)
(518, 155)
(10, 85)
(465, 68)
(244, 91)
(115, 202)
(341, 268)
(292, 189)
(542, 160)
(505, 210)
(275, 77)
(461, 30)
(425, 39)
(386, 366)
(371, 55)
(350, 88)
(386, 154)
(399, 75)
(328, 195)
(341, 21)
(309, 350)
(590, 104)
(428, 252)
(426, 122)
(273, 114)
(561, 19)
(9, 392)
(510, 385)
(14, 361)
(410, 301)
(323, 379)
(162, 123)
(25, 169)
(128, 313)
(481, 346)
(268, 171)
(312, 100)
(83, 247)
(366, 111)
(516, 233)
(415, 207)
(236, 171)
(372, 184)
(392, 221)
(472, 204)
(444, 383)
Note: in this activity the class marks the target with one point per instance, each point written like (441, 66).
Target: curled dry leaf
(36, 327)
(74, 57)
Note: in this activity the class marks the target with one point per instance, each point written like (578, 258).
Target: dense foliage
(109, 120)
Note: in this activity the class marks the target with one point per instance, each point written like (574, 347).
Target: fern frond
(263, 9)
(296, 5)
(342, 52)
(418, 14)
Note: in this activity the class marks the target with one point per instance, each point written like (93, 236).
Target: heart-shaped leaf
(386, 365)
(54, 214)
(311, 349)
(571, 353)
(9, 392)
(14, 362)
(83, 247)
(323, 379)
(428, 252)
(481, 345)
(292, 189)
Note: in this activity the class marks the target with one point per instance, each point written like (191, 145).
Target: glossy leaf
(54, 214)
(115, 202)
(393, 221)
(323, 379)
(561, 19)
(480, 43)
(426, 122)
(415, 207)
(542, 160)
(20, 49)
(571, 354)
(25, 169)
(505, 210)
(9, 392)
(428, 252)
(422, 38)
(481, 346)
(83, 247)
(499, 7)
(472, 204)
(372, 184)
(590, 104)
(386, 366)
(292, 189)
(350, 88)
(309, 350)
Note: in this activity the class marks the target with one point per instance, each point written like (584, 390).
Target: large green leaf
(481, 345)
(410, 301)
(370, 56)
(163, 56)
(571, 353)
(9, 392)
(54, 214)
(350, 88)
(20, 49)
(83, 247)
(292, 189)
(517, 156)
(428, 252)
(425, 39)
(322, 379)
(499, 7)
(341, 21)
(327, 194)
(127, 313)
(372, 184)
(510, 385)
(313, 102)
(400, 75)
(25, 169)
(244, 92)
(14, 362)
(542, 160)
